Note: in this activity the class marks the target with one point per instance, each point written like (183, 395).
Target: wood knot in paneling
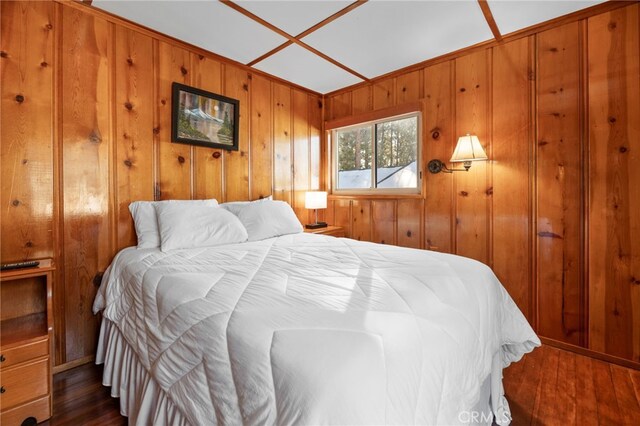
(543, 143)
(216, 155)
(462, 89)
(435, 134)
(28, 244)
(95, 137)
(623, 149)
(48, 27)
(44, 64)
(97, 279)
(19, 99)
(15, 203)
(181, 159)
(156, 130)
(531, 75)
(464, 193)
(245, 87)
(128, 105)
(4, 54)
(404, 89)
(409, 234)
(249, 76)
(319, 104)
(183, 70)
(163, 101)
(130, 61)
(489, 191)
(612, 26)
(553, 49)
(25, 161)
(635, 281)
(548, 234)
(128, 163)
(612, 120)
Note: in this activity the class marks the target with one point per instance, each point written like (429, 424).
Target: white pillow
(268, 219)
(197, 225)
(235, 206)
(146, 223)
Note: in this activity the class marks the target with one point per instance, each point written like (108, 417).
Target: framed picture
(204, 118)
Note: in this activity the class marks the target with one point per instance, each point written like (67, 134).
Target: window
(378, 156)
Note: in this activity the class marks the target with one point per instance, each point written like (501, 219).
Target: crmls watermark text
(479, 417)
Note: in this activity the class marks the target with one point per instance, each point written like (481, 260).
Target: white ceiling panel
(382, 36)
(293, 17)
(207, 24)
(302, 67)
(513, 15)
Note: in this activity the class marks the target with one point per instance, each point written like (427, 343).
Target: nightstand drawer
(24, 383)
(40, 409)
(18, 354)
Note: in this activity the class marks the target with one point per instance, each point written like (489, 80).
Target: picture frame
(203, 118)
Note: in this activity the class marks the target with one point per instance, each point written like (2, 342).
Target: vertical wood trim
(59, 337)
(584, 178)
(113, 159)
(532, 184)
(584, 184)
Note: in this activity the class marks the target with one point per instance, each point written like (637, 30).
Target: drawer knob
(2, 390)
(2, 358)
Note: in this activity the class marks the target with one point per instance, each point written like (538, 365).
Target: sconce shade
(468, 149)
(315, 200)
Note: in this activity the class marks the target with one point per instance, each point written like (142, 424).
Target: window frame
(374, 160)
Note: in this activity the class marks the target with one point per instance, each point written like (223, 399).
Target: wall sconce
(315, 200)
(467, 150)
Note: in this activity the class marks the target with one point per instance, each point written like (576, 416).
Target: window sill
(371, 196)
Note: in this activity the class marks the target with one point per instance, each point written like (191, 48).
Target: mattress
(310, 329)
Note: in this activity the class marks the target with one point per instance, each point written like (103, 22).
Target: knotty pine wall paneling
(383, 221)
(511, 146)
(237, 83)
(208, 163)
(174, 159)
(86, 114)
(555, 210)
(134, 118)
(473, 188)
(438, 142)
(614, 182)
(261, 137)
(87, 64)
(283, 185)
(27, 70)
(300, 147)
(558, 185)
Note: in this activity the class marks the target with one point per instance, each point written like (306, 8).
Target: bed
(307, 329)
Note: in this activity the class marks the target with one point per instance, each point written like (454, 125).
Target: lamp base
(316, 225)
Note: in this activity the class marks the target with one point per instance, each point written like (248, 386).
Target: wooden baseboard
(73, 364)
(590, 353)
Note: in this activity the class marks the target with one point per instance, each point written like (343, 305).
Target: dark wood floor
(548, 387)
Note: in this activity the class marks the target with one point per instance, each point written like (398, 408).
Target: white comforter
(309, 329)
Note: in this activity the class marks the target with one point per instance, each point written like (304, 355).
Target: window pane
(396, 153)
(354, 157)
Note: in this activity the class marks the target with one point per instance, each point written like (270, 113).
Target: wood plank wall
(556, 212)
(86, 127)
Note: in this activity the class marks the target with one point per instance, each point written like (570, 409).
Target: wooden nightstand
(26, 337)
(334, 231)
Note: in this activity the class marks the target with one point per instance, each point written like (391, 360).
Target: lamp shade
(315, 200)
(468, 149)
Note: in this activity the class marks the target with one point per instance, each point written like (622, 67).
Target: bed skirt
(141, 399)
(145, 403)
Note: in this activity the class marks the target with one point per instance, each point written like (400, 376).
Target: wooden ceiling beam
(486, 11)
(305, 33)
(290, 38)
